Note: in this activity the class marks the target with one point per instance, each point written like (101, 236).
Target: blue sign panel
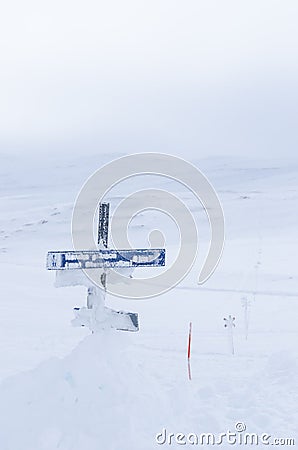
(106, 258)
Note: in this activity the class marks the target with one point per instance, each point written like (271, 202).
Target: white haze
(199, 78)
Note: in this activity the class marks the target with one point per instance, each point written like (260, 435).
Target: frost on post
(103, 224)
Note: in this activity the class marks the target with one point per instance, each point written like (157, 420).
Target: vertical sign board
(103, 224)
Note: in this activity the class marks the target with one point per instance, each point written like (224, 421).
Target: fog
(203, 78)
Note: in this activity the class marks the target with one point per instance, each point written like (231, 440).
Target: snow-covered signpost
(69, 264)
(229, 324)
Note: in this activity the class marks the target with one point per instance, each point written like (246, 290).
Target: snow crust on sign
(65, 389)
(70, 277)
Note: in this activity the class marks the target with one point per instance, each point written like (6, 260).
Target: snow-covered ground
(63, 388)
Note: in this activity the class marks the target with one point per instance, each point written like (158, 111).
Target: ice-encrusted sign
(105, 258)
(66, 264)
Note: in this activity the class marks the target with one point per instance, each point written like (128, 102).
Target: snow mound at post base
(97, 397)
(110, 394)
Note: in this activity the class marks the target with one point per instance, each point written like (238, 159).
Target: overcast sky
(206, 77)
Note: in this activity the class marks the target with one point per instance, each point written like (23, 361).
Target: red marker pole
(188, 350)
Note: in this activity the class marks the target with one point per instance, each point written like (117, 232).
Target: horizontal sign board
(121, 320)
(95, 259)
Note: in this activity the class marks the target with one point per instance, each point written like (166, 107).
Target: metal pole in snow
(188, 350)
(229, 324)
